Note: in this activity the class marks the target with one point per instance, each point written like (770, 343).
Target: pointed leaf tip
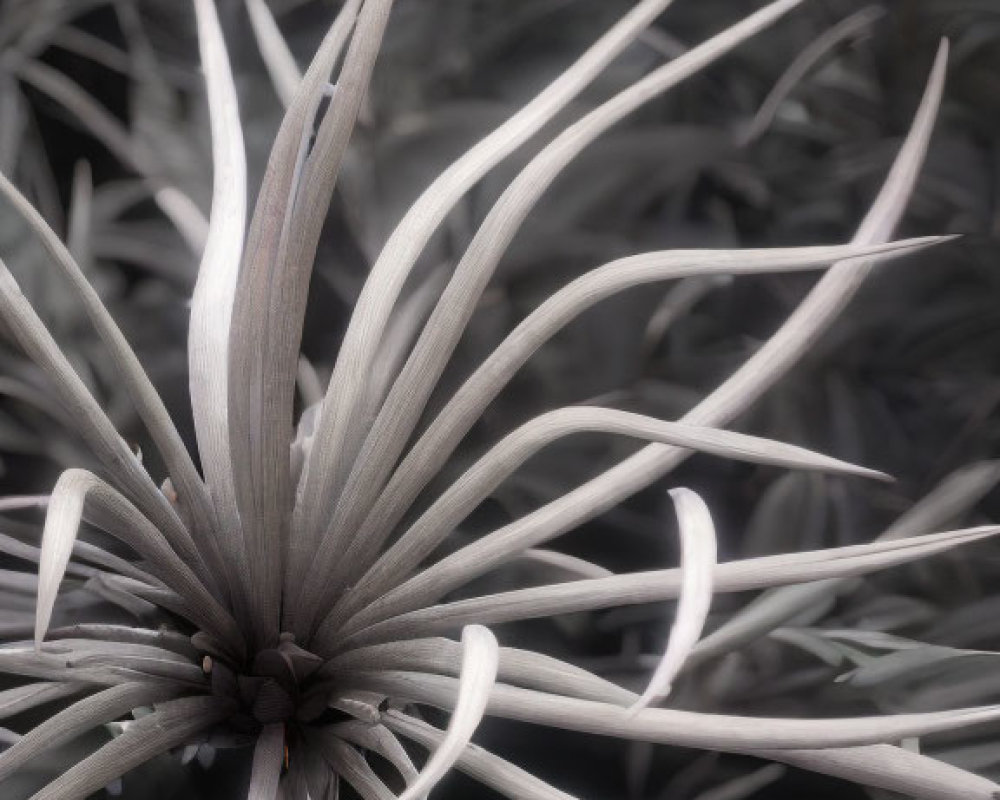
(480, 662)
(698, 560)
(62, 522)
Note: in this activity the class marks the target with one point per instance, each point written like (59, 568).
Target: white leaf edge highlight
(699, 555)
(480, 662)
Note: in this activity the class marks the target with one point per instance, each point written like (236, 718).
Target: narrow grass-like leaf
(442, 436)
(131, 597)
(488, 769)
(894, 769)
(350, 765)
(81, 717)
(171, 724)
(402, 331)
(488, 472)
(498, 548)
(807, 58)
(93, 423)
(178, 207)
(143, 667)
(814, 645)
(678, 301)
(911, 664)
(144, 395)
(21, 658)
(20, 502)
(214, 293)
(562, 563)
(738, 576)
(268, 757)
(82, 551)
(698, 560)
(883, 766)
(408, 239)
(378, 739)
(74, 488)
(281, 67)
(954, 496)
(684, 728)
(480, 658)
(27, 393)
(32, 695)
(405, 402)
(312, 770)
(271, 295)
(519, 667)
(767, 365)
(75, 650)
(80, 223)
(168, 639)
(98, 50)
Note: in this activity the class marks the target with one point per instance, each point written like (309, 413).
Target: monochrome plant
(305, 612)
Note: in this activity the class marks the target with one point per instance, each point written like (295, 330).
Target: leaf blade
(698, 559)
(480, 659)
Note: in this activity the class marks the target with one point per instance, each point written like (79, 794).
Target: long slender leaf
(491, 770)
(93, 423)
(442, 436)
(215, 290)
(171, 724)
(698, 560)
(955, 495)
(519, 667)
(883, 766)
(168, 639)
(768, 364)
(278, 58)
(388, 275)
(269, 300)
(434, 525)
(268, 755)
(147, 401)
(178, 207)
(378, 739)
(402, 408)
(83, 551)
(78, 229)
(81, 717)
(805, 61)
(479, 671)
(32, 695)
(570, 566)
(667, 726)
(896, 770)
(350, 765)
(754, 573)
(66, 509)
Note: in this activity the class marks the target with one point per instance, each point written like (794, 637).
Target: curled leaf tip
(698, 561)
(480, 663)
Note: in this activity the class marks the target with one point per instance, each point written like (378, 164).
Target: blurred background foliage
(103, 125)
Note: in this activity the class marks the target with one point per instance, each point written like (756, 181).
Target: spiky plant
(304, 611)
